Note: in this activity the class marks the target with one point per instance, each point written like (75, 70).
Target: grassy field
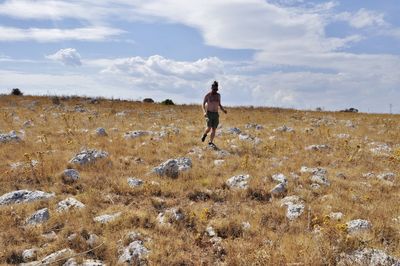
(251, 227)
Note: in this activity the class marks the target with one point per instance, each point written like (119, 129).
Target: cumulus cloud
(68, 56)
(363, 18)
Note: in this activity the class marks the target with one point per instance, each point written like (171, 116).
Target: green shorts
(212, 119)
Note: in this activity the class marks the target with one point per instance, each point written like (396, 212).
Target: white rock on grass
(315, 171)
(239, 181)
(367, 256)
(106, 218)
(27, 124)
(320, 179)
(280, 178)
(279, 189)
(134, 253)
(295, 206)
(234, 130)
(39, 217)
(21, 196)
(256, 126)
(358, 225)
(29, 254)
(12, 136)
(137, 133)
(90, 262)
(70, 175)
(387, 176)
(64, 253)
(246, 137)
(317, 147)
(368, 175)
(134, 182)
(283, 128)
(219, 162)
(172, 167)
(170, 216)
(343, 136)
(101, 132)
(337, 216)
(380, 149)
(88, 156)
(69, 203)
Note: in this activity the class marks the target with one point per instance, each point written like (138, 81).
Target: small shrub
(148, 100)
(168, 102)
(16, 92)
(55, 100)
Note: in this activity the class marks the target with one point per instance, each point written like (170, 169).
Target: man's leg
(213, 130)
(205, 133)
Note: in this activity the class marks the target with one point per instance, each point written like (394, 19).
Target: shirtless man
(213, 101)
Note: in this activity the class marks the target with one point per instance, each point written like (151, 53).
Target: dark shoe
(212, 145)
(204, 137)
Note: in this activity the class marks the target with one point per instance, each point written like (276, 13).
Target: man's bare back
(213, 100)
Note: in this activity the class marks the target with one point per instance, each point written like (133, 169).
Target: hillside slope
(316, 188)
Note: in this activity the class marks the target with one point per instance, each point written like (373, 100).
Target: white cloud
(363, 18)
(68, 56)
(54, 35)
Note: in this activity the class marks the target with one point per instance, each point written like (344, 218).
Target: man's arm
(204, 105)
(220, 105)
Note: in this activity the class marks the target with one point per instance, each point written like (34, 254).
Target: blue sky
(286, 53)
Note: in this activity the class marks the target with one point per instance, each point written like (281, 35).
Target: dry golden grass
(200, 193)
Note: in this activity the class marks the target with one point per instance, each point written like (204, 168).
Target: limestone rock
(39, 217)
(295, 206)
(134, 182)
(69, 203)
(12, 136)
(106, 218)
(58, 255)
(234, 130)
(280, 178)
(358, 225)
(320, 179)
(21, 196)
(134, 253)
(70, 175)
(170, 216)
(317, 147)
(172, 167)
(88, 156)
(368, 256)
(387, 176)
(29, 254)
(101, 132)
(283, 128)
(279, 189)
(137, 133)
(239, 181)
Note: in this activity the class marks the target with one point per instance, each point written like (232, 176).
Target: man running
(213, 101)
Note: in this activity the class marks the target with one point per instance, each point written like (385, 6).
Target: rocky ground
(105, 182)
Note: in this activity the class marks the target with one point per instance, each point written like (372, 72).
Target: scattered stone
(134, 182)
(295, 206)
(315, 186)
(93, 239)
(64, 253)
(21, 196)
(343, 136)
(170, 216)
(172, 167)
(29, 254)
(320, 179)
(70, 175)
(341, 176)
(358, 225)
(80, 109)
(315, 171)
(368, 175)
(134, 254)
(367, 256)
(106, 218)
(348, 123)
(246, 226)
(12, 136)
(239, 181)
(101, 132)
(337, 216)
(234, 130)
(91, 262)
(219, 162)
(317, 147)
(246, 137)
(24, 165)
(72, 237)
(123, 113)
(88, 156)
(294, 211)
(137, 133)
(280, 178)
(222, 154)
(27, 123)
(380, 149)
(279, 189)
(39, 217)
(256, 126)
(283, 128)
(69, 203)
(387, 176)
